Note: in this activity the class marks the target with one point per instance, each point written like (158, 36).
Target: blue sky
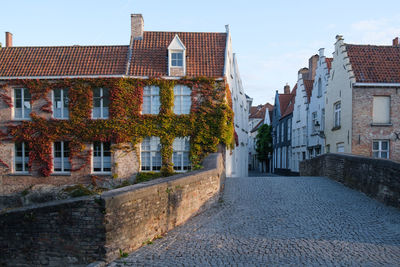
(272, 39)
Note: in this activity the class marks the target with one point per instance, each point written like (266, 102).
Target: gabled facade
(281, 138)
(85, 114)
(300, 113)
(316, 107)
(362, 101)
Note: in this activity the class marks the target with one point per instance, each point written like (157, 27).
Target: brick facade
(364, 132)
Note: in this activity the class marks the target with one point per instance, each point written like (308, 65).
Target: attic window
(177, 59)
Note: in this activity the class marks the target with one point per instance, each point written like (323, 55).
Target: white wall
(237, 161)
(339, 89)
(299, 122)
(317, 103)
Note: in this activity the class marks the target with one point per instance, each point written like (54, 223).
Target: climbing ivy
(209, 123)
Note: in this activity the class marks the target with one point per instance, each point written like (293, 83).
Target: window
(289, 128)
(101, 101)
(322, 120)
(182, 99)
(340, 147)
(21, 157)
(380, 149)
(177, 59)
(337, 110)
(180, 157)
(319, 87)
(304, 135)
(60, 103)
(61, 157)
(102, 157)
(22, 103)
(282, 132)
(151, 100)
(298, 112)
(150, 154)
(381, 110)
(314, 121)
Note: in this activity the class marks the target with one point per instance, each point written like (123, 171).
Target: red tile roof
(290, 106)
(329, 62)
(63, 60)
(375, 64)
(205, 57)
(308, 84)
(258, 112)
(284, 100)
(205, 53)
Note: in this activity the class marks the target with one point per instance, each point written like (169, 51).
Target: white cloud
(375, 31)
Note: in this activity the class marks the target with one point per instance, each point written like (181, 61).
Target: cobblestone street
(281, 221)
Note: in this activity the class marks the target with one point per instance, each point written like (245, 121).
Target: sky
(272, 39)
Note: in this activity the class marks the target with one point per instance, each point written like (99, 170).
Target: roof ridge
(63, 46)
(187, 32)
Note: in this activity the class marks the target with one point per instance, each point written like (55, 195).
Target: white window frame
(184, 92)
(380, 150)
(102, 116)
(63, 116)
(177, 52)
(157, 141)
(24, 170)
(337, 109)
(62, 158)
(152, 95)
(314, 118)
(341, 145)
(183, 151)
(22, 104)
(319, 87)
(101, 159)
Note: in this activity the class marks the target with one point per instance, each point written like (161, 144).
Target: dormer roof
(176, 44)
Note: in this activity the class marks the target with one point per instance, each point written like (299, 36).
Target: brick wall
(378, 178)
(363, 133)
(80, 231)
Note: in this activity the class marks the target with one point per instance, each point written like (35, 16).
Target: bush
(147, 176)
(78, 191)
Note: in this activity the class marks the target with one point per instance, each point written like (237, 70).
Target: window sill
(100, 118)
(20, 174)
(335, 128)
(101, 173)
(381, 124)
(21, 119)
(60, 174)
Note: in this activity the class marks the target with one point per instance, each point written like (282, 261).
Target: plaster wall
(339, 89)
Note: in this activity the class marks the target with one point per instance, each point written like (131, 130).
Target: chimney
(303, 74)
(312, 66)
(137, 25)
(8, 39)
(286, 89)
(321, 52)
(396, 41)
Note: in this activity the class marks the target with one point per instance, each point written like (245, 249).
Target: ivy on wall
(209, 123)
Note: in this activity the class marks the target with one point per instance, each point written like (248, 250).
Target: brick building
(41, 85)
(363, 101)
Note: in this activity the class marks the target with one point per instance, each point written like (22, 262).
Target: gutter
(376, 84)
(87, 77)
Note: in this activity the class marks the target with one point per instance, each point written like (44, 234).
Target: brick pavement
(281, 221)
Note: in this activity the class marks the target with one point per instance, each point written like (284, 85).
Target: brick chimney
(312, 66)
(396, 41)
(304, 72)
(137, 26)
(286, 89)
(8, 39)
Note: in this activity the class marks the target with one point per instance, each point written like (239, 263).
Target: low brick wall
(378, 178)
(83, 230)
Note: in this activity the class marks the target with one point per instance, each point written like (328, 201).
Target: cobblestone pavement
(281, 221)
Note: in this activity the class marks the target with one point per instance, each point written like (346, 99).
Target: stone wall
(378, 178)
(79, 231)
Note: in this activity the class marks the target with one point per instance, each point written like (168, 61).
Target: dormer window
(176, 58)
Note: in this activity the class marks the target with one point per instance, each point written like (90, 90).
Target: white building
(237, 159)
(300, 113)
(316, 110)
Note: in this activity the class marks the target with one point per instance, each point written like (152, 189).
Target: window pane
(156, 105)
(105, 112)
(96, 113)
(177, 160)
(97, 149)
(18, 98)
(156, 159)
(106, 97)
(384, 155)
(27, 95)
(146, 90)
(146, 105)
(107, 149)
(146, 144)
(375, 146)
(384, 145)
(96, 92)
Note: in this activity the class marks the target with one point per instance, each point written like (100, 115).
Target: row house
(316, 107)
(258, 116)
(305, 84)
(72, 114)
(363, 101)
(282, 118)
